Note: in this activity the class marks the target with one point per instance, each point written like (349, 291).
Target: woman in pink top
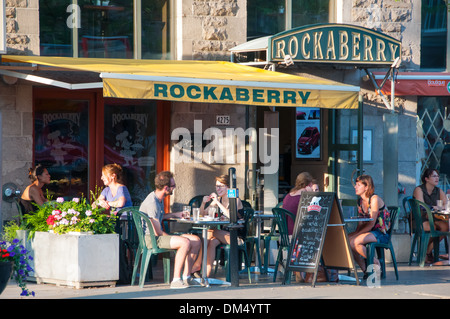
(303, 183)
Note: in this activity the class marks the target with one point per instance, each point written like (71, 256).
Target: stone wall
(22, 27)
(22, 38)
(208, 30)
(398, 19)
(211, 28)
(199, 178)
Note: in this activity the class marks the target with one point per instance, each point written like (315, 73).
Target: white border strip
(39, 79)
(138, 77)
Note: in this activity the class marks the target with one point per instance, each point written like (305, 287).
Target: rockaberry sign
(334, 43)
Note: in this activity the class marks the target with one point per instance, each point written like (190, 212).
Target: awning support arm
(391, 73)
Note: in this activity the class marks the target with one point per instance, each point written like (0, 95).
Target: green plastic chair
(274, 234)
(408, 212)
(196, 201)
(379, 247)
(145, 253)
(432, 234)
(242, 249)
(280, 221)
(417, 228)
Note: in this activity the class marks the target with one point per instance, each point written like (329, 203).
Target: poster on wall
(61, 144)
(130, 141)
(307, 133)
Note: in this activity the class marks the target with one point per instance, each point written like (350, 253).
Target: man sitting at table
(187, 245)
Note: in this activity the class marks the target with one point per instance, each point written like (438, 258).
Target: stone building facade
(206, 30)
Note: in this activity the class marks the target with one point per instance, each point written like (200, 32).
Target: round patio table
(205, 224)
(446, 214)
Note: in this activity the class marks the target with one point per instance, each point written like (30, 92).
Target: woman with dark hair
(115, 195)
(429, 193)
(33, 194)
(369, 206)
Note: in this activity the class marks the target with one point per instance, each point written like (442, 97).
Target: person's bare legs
(195, 244)
(183, 246)
(358, 245)
(218, 236)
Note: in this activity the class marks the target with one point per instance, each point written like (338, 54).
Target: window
(76, 133)
(271, 17)
(306, 12)
(265, 18)
(433, 136)
(61, 144)
(105, 29)
(433, 49)
(130, 141)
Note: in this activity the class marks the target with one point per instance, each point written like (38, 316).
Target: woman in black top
(429, 194)
(33, 194)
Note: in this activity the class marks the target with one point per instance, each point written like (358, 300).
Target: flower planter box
(76, 260)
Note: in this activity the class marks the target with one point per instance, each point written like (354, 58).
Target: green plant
(18, 255)
(9, 230)
(76, 215)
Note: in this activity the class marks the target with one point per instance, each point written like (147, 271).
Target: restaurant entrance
(334, 160)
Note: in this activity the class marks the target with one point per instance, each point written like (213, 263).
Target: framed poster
(307, 133)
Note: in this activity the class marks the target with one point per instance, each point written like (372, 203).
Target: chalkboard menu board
(319, 235)
(310, 225)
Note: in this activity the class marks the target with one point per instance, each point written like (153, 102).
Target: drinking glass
(212, 212)
(196, 213)
(187, 212)
(440, 204)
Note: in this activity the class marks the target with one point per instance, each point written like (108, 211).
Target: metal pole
(234, 260)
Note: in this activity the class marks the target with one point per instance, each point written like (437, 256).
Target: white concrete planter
(77, 259)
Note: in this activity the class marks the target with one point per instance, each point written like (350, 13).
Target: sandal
(429, 259)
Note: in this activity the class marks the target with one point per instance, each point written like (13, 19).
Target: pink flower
(76, 200)
(60, 200)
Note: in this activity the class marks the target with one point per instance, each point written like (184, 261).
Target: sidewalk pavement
(429, 282)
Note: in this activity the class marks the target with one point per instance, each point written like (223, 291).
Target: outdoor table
(353, 220)
(259, 217)
(205, 225)
(443, 213)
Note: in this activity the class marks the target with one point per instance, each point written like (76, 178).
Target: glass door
(345, 159)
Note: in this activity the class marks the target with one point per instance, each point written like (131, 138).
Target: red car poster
(307, 142)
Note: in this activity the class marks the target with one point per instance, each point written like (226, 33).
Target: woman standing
(303, 183)
(369, 206)
(115, 195)
(429, 193)
(33, 194)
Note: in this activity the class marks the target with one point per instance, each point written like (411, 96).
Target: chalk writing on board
(312, 218)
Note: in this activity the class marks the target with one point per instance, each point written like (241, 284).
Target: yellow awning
(205, 81)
